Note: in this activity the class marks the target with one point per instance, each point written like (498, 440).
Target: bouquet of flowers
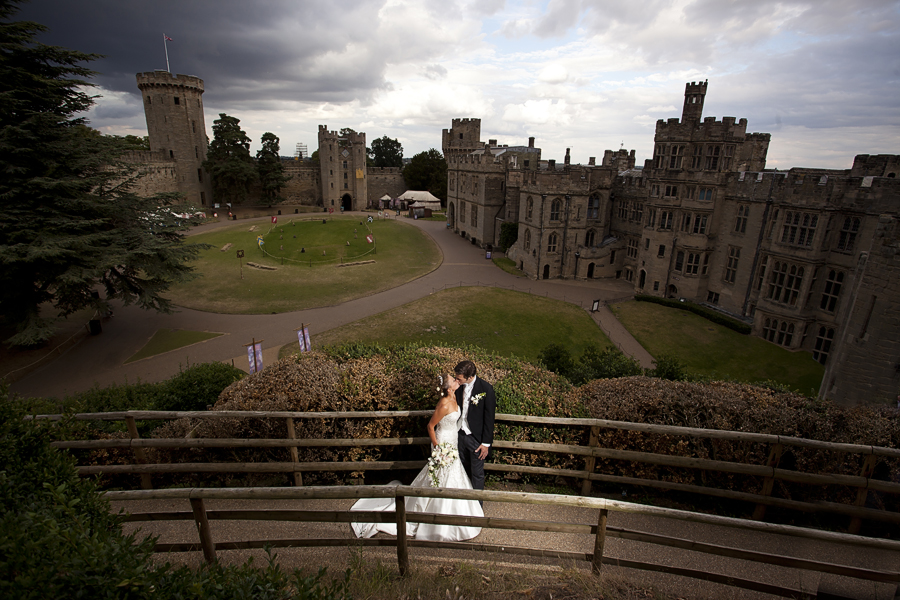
(442, 456)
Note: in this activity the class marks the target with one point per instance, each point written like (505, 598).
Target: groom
(477, 403)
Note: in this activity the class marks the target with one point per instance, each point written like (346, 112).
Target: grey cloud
(435, 72)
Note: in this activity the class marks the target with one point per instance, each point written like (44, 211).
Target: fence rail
(769, 472)
(202, 516)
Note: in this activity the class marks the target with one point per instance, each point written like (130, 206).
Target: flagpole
(166, 46)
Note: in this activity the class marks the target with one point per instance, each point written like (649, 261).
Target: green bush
(706, 313)
(58, 538)
(668, 367)
(509, 233)
(196, 387)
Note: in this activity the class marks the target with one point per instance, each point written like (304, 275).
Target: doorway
(590, 271)
(346, 202)
(546, 271)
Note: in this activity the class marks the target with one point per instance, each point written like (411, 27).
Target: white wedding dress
(453, 476)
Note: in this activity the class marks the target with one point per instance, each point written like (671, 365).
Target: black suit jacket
(481, 415)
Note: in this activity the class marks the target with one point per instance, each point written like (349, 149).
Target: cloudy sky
(822, 76)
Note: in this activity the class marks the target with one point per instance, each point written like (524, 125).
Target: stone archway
(672, 292)
(346, 202)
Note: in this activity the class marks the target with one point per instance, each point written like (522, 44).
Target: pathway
(100, 360)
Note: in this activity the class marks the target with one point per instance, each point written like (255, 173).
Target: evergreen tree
(427, 171)
(228, 161)
(69, 221)
(270, 169)
(386, 152)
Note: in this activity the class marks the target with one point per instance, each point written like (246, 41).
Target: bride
(442, 429)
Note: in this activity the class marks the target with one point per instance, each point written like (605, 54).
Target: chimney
(551, 164)
(531, 142)
(567, 157)
(592, 161)
(492, 143)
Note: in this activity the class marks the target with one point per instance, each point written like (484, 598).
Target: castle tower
(176, 128)
(694, 94)
(463, 137)
(342, 161)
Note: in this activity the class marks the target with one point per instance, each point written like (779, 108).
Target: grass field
(502, 321)
(307, 278)
(166, 340)
(709, 349)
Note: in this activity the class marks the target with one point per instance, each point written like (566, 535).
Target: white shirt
(467, 393)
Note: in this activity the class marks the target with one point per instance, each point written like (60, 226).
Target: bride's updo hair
(444, 387)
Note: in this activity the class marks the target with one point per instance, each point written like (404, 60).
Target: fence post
(206, 541)
(402, 550)
(590, 462)
(862, 493)
(759, 513)
(298, 476)
(599, 541)
(139, 455)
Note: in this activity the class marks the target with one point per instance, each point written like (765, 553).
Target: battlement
(353, 138)
(158, 78)
(879, 165)
(694, 96)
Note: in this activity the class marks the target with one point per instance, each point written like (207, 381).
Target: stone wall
(384, 180)
(304, 186)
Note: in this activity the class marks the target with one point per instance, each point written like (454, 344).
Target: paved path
(99, 360)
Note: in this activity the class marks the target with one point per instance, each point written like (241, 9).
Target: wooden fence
(769, 472)
(202, 516)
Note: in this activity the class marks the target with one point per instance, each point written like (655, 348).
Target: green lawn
(166, 340)
(715, 351)
(304, 277)
(506, 322)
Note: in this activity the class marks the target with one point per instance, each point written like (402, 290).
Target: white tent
(417, 199)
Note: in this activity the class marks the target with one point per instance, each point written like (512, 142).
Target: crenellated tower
(342, 161)
(694, 95)
(173, 106)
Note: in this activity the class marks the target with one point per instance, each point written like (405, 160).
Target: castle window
(474, 215)
(675, 157)
(697, 159)
(740, 225)
(589, 238)
(637, 212)
(460, 136)
(554, 209)
(823, 344)
(686, 221)
(661, 252)
(671, 191)
(462, 212)
(177, 100)
(778, 333)
(346, 186)
(551, 242)
(712, 297)
(632, 248)
(712, 157)
(832, 290)
(700, 224)
(726, 160)
(655, 286)
(847, 238)
(149, 101)
(345, 175)
(705, 194)
(203, 198)
(660, 157)
(665, 219)
(785, 282)
(593, 211)
(654, 191)
(651, 217)
(345, 164)
(693, 264)
(623, 209)
(734, 256)
(799, 228)
(527, 239)
(529, 207)
(679, 261)
(171, 154)
(646, 243)
(193, 126)
(200, 175)
(705, 264)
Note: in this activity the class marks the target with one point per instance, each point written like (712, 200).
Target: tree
(269, 168)
(228, 161)
(69, 220)
(386, 152)
(427, 171)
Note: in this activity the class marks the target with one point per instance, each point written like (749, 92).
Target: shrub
(706, 313)
(669, 367)
(58, 539)
(509, 233)
(196, 387)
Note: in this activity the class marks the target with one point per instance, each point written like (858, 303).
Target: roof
(416, 196)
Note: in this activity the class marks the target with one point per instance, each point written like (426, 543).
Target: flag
(274, 219)
(168, 39)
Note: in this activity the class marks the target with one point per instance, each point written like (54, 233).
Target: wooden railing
(769, 472)
(598, 528)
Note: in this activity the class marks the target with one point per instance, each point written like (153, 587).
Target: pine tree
(69, 221)
(270, 169)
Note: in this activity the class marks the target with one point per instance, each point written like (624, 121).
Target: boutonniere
(476, 399)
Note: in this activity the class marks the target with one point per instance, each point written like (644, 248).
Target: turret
(694, 94)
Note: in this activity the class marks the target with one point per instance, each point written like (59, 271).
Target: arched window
(529, 207)
(551, 243)
(554, 210)
(593, 211)
(589, 238)
(528, 239)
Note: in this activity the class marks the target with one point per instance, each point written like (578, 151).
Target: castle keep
(809, 257)
(177, 132)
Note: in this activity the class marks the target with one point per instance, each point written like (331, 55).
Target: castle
(809, 257)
